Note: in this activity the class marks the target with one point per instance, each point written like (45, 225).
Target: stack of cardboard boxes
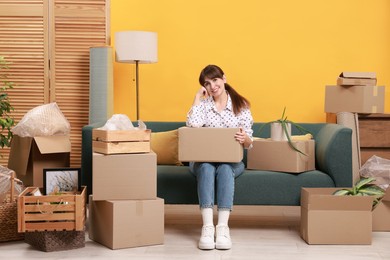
(355, 92)
(330, 219)
(124, 210)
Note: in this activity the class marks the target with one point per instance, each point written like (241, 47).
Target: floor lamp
(136, 47)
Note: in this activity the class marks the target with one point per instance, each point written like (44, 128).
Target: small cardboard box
(381, 214)
(355, 99)
(334, 220)
(271, 155)
(126, 223)
(357, 79)
(30, 155)
(120, 141)
(206, 144)
(124, 176)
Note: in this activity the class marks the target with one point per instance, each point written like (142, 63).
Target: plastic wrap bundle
(122, 122)
(350, 120)
(5, 184)
(378, 168)
(44, 120)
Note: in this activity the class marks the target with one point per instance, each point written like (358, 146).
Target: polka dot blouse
(206, 115)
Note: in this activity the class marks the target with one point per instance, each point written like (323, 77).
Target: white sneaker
(223, 240)
(206, 240)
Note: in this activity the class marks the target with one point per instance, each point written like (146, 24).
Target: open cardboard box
(334, 220)
(30, 155)
(271, 155)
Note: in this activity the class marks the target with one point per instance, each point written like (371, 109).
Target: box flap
(322, 199)
(19, 154)
(363, 75)
(53, 144)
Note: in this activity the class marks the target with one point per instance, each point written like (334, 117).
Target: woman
(217, 104)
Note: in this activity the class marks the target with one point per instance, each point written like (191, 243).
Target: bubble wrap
(44, 120)
(5, 184)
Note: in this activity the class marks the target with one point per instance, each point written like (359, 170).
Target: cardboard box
(124, 176)
(334, 220)
(121, 141)
(357, 79)
(271, 155)
(381, 214)
(30, 155)
(126, 223)
(206, 144)
(358, 99)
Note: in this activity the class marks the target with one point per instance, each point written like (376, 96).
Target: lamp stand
(137, 87)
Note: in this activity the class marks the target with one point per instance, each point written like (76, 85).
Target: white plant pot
(277, 132)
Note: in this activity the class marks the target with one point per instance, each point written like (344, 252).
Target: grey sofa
(176, 185)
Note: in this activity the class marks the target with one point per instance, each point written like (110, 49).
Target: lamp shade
(132, 46)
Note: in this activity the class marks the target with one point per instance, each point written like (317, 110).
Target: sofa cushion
(165, 145)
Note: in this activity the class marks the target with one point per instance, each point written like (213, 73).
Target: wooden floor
(257, 233)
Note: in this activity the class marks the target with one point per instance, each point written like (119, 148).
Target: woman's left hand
(240, 136)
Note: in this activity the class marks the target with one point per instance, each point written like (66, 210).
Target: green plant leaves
(6, 121)
(283, 121)
(342, 192)
(363, 182)
(363, 187)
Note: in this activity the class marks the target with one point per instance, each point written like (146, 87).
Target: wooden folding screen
(48, 43)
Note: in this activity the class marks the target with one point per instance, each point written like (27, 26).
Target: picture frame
(61, 180)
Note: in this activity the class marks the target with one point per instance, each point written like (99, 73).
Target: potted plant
(6, 121)
(281, 130)
(363, 187)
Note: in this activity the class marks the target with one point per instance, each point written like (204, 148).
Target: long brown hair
(212, 72)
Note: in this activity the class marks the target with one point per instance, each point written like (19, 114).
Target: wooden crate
(51, 212)
(121, 141)
(374, 133)
(121, 135)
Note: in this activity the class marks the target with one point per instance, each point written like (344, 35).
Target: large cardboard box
(206, 144)
(357, 79)
(357, 99)
(330, 219)
(124, 176)
(381, 214)
(126, 223)
(30, 155)
(121, 141)
(271, 155)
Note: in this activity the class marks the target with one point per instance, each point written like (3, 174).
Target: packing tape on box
(373, 109)
(307, 151)
(375, 91)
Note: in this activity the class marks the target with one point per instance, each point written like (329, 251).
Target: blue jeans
(219, 176)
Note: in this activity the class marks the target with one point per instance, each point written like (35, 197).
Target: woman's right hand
(201, 94)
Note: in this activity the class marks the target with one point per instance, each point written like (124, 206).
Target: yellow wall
(276, 53)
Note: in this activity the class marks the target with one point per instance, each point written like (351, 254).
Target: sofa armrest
(334, 153)
(86, 155)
